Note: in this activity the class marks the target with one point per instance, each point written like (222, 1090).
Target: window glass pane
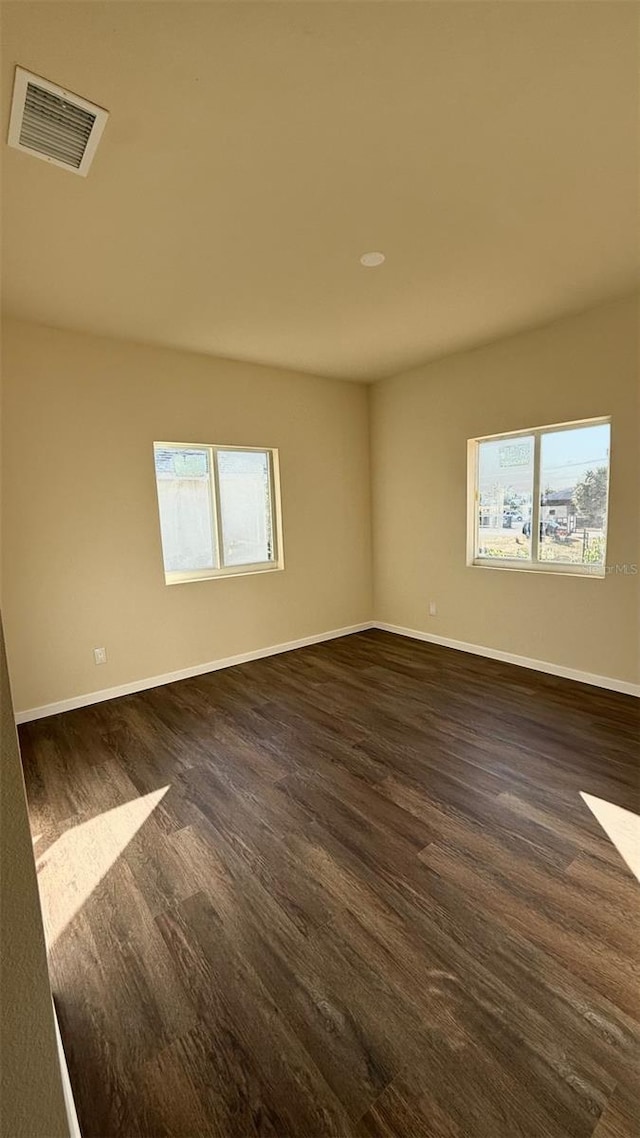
(574, 474)
(184, 498)
(245, 507)
(505, 497)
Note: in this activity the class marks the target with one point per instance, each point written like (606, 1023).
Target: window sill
(597, 572)
(220, 574)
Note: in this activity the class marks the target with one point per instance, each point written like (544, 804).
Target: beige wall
(82, 556)
(31, 1097)
(576, 368)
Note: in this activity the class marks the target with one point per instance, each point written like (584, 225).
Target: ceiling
(254, 151)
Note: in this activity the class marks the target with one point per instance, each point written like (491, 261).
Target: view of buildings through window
(570, 465)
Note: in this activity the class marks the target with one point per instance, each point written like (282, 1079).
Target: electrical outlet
(432, 608)
(99, 655)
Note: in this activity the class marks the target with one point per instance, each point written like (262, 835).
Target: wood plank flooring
(352, 890)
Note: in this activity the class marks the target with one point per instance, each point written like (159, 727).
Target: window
(538, 499)
(219, 510)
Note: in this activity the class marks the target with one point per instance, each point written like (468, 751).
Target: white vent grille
(54, 124)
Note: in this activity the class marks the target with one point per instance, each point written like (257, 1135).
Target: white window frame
(176, 577)
(534, 565)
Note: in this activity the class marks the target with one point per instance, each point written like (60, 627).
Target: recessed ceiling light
(372, 260)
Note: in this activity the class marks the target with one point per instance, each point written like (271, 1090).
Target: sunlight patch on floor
(77, 862)
(621, 826)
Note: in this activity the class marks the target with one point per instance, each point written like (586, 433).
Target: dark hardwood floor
(352, 890)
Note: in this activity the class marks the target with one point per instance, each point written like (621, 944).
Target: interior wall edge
(69, 1101)
(31, 1090)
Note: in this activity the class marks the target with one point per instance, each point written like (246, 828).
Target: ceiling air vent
(54, 124)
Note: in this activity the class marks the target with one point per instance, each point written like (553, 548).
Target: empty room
(320, 549)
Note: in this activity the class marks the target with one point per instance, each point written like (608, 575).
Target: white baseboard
(609, 682)
(182, 674)
(88, 698)
(72, 1117)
